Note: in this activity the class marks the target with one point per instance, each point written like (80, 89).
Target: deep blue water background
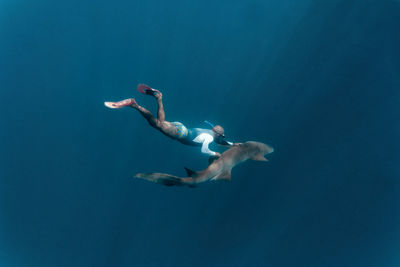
(317, 80)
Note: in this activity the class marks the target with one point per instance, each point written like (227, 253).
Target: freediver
(176, 130)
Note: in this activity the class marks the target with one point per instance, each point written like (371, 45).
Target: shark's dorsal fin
(190, 172)
(259, 157)
(211, 160)
(225, 175)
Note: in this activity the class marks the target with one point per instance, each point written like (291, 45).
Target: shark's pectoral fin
(259, 157)
(190, 172)
(225, 175)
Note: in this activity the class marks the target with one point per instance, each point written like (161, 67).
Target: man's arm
(223, 142)
(205, 149)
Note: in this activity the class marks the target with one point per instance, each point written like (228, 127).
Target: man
(175, 130)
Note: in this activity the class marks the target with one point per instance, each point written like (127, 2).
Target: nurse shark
(219, 169)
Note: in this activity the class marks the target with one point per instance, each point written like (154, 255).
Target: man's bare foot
(123, 103)
(158, 95)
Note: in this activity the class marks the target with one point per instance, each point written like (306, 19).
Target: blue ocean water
(317, 80)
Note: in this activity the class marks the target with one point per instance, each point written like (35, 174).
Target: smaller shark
(219, 169)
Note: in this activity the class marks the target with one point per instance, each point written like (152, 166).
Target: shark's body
(219, 169)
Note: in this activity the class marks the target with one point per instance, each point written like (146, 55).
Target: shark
(219, 169)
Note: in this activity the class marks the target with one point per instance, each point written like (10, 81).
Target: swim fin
(121, 104)
(147, 90)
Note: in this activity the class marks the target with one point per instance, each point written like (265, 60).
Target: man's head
(218, 131)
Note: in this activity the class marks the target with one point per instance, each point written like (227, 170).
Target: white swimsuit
(205, 139)
(198, 137)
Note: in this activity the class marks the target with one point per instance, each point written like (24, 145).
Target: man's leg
(159, 123)
(145, 89)
(146, 114)
(160, 111)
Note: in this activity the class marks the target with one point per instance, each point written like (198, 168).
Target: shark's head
(265, 149)
(257, 150)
